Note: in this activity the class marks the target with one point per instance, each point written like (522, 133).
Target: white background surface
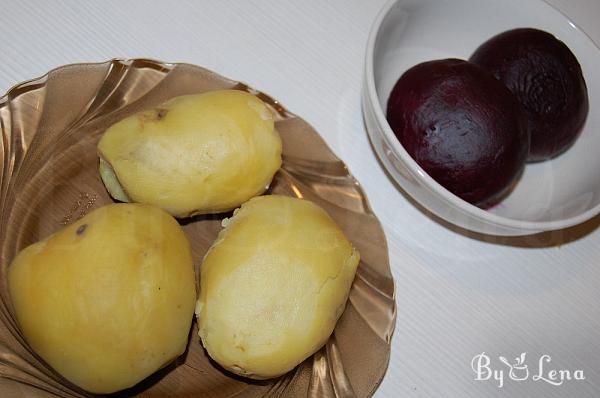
(457, 295)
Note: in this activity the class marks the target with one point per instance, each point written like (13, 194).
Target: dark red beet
(547, 80)
(462, 126)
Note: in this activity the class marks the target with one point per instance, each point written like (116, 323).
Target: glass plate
(49, 178)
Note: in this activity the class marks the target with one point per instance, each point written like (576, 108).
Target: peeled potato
(109, 299)
(194, 154)
(273, 286)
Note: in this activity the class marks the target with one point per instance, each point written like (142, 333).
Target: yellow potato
(109, 299)
(194, 154)
(273, 286)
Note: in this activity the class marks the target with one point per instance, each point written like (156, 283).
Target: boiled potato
(273, 286)
(109, 299)
(194, 154)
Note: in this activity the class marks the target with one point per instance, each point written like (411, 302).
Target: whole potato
(109, 299)
(273, 286)
(195, 154)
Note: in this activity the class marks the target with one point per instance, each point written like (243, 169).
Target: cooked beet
(462, 126)
(547, 80)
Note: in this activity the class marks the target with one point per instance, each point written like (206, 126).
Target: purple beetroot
(462, 126)
(547, 80)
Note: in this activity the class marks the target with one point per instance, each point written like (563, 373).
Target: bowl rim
(417, 171)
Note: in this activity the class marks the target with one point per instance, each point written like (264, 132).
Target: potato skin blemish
(81, 229)
(161, 113)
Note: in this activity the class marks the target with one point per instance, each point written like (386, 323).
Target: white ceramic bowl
(550, 195)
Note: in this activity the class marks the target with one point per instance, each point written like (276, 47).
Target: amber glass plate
(50, 128)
